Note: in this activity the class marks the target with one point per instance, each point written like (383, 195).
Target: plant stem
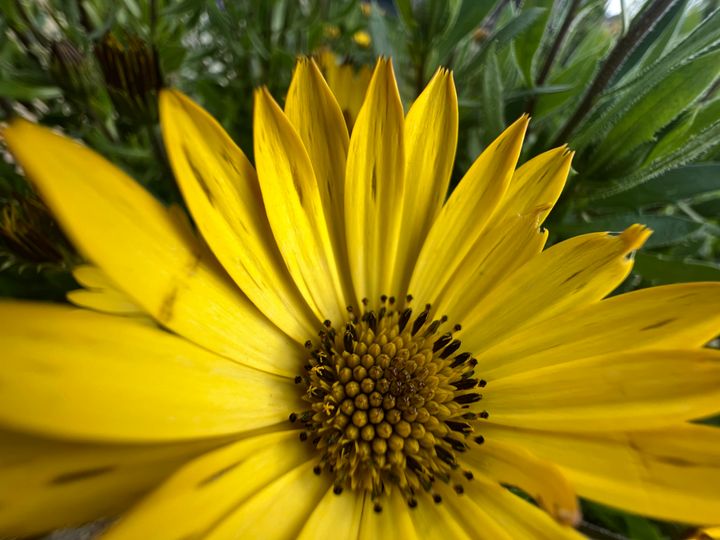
(639, 27)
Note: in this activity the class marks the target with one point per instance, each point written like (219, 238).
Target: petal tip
(635, 236)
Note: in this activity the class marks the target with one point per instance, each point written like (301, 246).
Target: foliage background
(636, 95)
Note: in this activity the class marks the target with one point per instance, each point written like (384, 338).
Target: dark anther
(327, 374)
(292, 417)
(308, 344)
(404, 318)
(364, 301)
(420, 321)
(469, 373)
(464, 384)
(383, 298)
(469, 475)
(412, 503)
(460, 427)
(391, 300)
(409, 298)
(307, 367)
(348, 341)
(444, 318)
(484, 414)
(432, 328)
(444, 455)
(412, 464)
(318, 393)
(317, 469)
(479, 439)
(473, 362)
(457, 327)
(372, 321)
(327, 323)
(460, 359)
(298, 379)
(469, 416)
(459, 489)
(458, 446)
(468, 398)
(303, 436)
(337, 490)
(482, 383)
(349, 309)
(437, 498)
(454, 346)
(316, 440)
(377, 508)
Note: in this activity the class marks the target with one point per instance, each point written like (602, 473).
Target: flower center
(391, 401)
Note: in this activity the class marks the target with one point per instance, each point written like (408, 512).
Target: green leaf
(468, 16)
(492, 94)
(683, 183)
(380, 32)
(527, 44)
(655, 107)
(663, 269)
(667, 230)
(516, 26)
(26, 92)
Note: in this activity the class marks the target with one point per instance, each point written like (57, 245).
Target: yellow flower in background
(345, 353)
(362, 38)
(348, 84)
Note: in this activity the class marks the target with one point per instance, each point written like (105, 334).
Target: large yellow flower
(283, 383)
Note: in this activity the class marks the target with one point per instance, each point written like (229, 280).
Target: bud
(132, 76)
(29, 234)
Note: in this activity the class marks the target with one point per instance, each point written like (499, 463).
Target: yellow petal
(538, 183)
(142, 248)
(512, 465)
(101, 293)
(501, 249)
(672, 316)
(570, 274)
(336, 517)
(671, 474)
(222, 192)
(347, 83)
(47, 484)
(312, 110)
(375, 186)
(294, 207)
(210, 487)
(437, 521)
(516, 517)
(634, 390)
(278, 511)
(393, 521)
(431, 131)
(467, 212)
(78, 374)
(472, 517)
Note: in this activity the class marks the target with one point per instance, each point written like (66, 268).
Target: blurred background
(631, 86)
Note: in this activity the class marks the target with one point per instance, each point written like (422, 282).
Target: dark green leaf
(662, 269)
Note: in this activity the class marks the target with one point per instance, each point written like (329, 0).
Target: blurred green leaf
(682, 183)
(527, 44)
(492, 97)
(25, 92)
(662, 269)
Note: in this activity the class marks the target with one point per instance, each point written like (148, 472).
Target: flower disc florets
(390, 400)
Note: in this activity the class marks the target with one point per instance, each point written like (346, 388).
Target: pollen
(391, 401)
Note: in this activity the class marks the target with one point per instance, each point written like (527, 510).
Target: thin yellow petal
(502, 248)
(348, 83)
(393, 521)
(210, 487)
(222, 192)
(47, 484)
(512, 465)
(431, 131)
(78, 374)
(570, 274)
(635, 390)
(141, 246)
(516, 517)
(336, 517)
(673, 316)
(375, 186)
(437, 522)
(467, 212)
(101, 293)
(294, 207)
(278, 511)
(671, 474)
(312, 110)
(538, 183)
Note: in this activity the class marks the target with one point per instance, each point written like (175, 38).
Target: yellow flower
(248, 402)
(348, 84)
(362, 38)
